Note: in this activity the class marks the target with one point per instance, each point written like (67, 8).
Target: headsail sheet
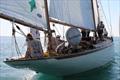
(75, 12)
(29, 11)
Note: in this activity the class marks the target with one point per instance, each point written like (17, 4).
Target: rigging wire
(20, 30)
(109, 15)
(16, 44)
(12, 42)
(105, 18)
(17, 47)
(19, 33)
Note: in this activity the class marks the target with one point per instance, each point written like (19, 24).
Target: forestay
(29, 11)
(75, 12)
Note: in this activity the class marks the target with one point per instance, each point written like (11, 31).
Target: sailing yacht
(76, 15)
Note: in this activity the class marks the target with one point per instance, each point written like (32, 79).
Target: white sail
(29, 11)
(75, 12)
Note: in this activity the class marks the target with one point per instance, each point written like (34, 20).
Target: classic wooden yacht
(76, 55)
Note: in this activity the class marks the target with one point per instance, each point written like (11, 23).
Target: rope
(16, 44)
(105, 17)
(19, 33)
(17, 47)
(20, 30)
(12, 42)
(109, 14)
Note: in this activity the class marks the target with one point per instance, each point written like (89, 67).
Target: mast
(21, 22)
(93, 14)
(92, 4)
(48, 26)
(98, 11)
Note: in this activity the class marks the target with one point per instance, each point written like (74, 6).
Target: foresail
(75, 12)
(29, 11)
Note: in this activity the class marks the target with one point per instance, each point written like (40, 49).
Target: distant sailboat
(78, 15)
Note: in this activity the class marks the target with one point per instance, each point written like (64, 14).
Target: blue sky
(111, 9)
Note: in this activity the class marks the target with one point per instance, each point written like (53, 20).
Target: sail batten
(26, 11)
(75, 12)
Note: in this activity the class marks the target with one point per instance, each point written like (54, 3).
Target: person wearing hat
(34, 47)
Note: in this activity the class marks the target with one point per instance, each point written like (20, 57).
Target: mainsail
(75, 12)
(28, 11)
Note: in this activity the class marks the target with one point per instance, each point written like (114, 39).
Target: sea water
(110, 71)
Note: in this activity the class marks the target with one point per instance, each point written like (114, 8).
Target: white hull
(68, 66)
